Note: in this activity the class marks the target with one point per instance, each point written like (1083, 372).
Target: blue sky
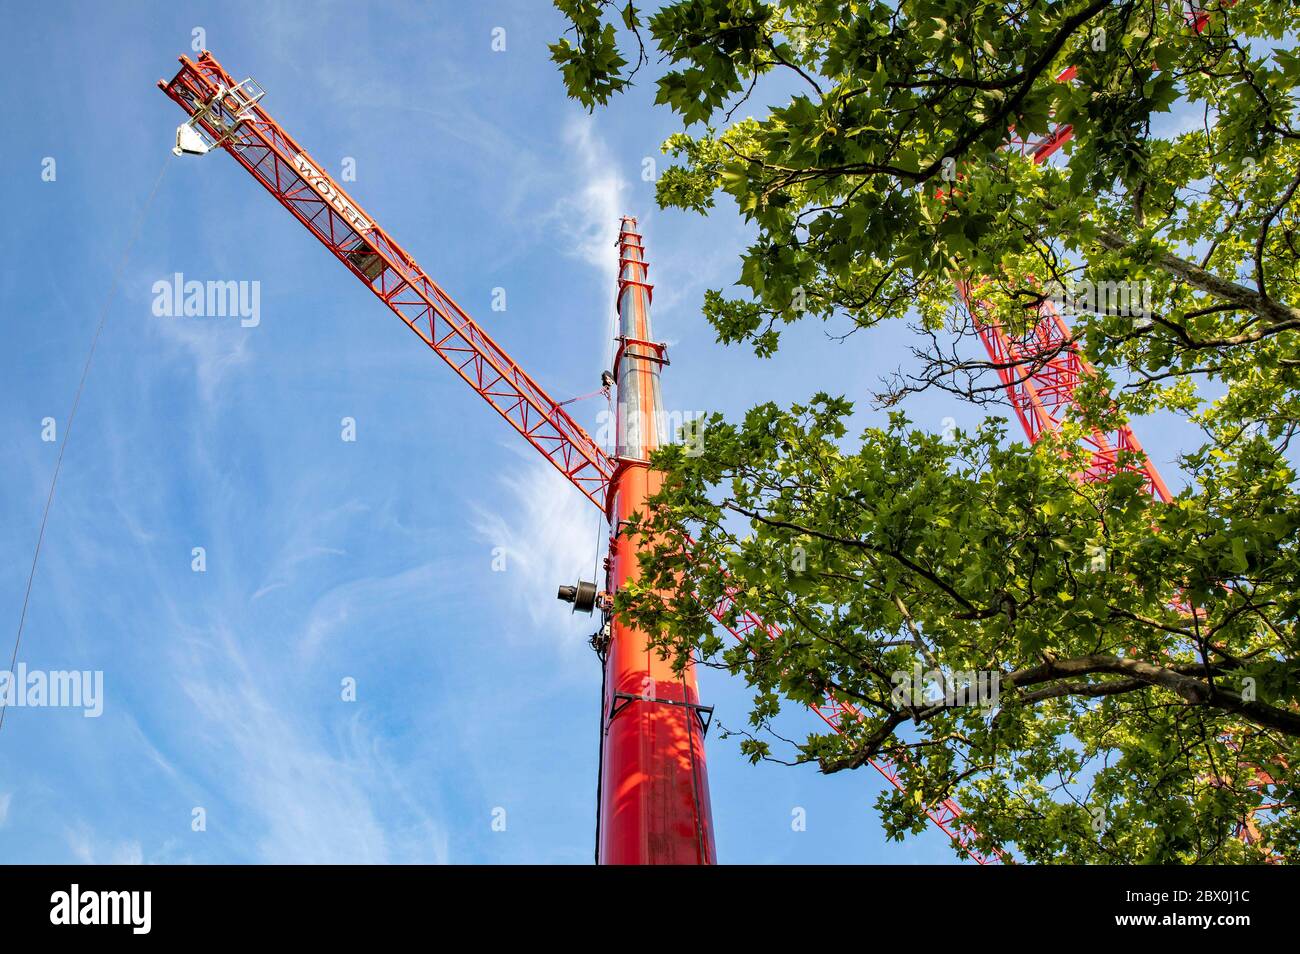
(329, 559)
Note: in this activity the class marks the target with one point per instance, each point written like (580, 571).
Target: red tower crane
(654, 797)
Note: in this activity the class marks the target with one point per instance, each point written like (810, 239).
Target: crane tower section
(654, 801)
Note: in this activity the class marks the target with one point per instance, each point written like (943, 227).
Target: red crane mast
(654, 801)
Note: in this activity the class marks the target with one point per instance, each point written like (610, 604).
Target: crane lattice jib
(1040, 370)
(260, 145)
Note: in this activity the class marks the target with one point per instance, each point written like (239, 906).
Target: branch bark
(1247, 299)
(1191, 689)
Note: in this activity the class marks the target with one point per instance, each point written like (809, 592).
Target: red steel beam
(1041, 372)
(1042, 368)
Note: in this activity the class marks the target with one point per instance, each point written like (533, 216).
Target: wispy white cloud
(588, 216)
(5, 799)
(547, 532)
(308, 799)
(216, 346)
(546, 529)
(333, 610)
(89, 849)
(268, 588)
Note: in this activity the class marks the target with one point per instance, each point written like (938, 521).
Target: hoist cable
(72, 414)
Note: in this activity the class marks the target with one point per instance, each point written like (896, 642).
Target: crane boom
(1040, 372)
(224, 113)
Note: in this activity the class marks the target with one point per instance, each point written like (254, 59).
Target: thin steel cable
(604, 665)
(76, 402)
(600, 517)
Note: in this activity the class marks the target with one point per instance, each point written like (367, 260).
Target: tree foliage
(1149, 703)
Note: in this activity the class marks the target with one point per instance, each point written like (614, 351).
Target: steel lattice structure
(1042, 369)
(946, 815)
